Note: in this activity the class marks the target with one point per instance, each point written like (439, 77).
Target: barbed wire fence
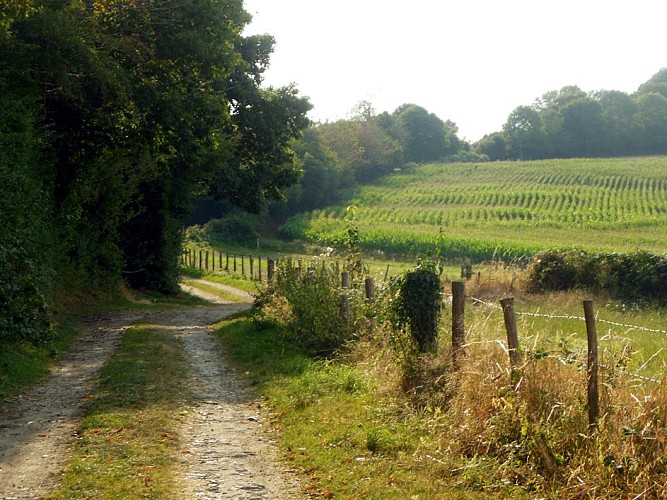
(552, 316)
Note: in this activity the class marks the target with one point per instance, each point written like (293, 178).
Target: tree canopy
(114, 116)
(570, 123)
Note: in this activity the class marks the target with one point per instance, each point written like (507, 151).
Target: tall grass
(422, 426)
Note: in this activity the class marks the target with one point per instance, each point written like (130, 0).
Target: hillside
(506, 209)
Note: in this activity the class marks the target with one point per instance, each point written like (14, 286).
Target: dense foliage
(416, 304)
(637, 276)
(113, 116)
(571, 123)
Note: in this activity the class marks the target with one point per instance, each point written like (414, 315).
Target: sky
(468, 61)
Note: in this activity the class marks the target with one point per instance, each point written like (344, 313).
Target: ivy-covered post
(417, 304)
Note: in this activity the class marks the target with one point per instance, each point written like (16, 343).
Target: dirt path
(228, 455)
(38, 427)
(241, 294)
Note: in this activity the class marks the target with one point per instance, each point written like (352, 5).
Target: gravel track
(226, 451)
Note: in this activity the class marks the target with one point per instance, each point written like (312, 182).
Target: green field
(505, 209)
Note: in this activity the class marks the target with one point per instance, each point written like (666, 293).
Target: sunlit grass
(347, 439)
(23, 364)
(375, 424)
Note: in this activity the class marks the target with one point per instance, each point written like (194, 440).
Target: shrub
(551, 271)
(314, 302)
(235, 228)
(639, 276)
(636, 276)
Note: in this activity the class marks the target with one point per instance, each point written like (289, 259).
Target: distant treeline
(566, 123)
(571, 123)
(337, 156)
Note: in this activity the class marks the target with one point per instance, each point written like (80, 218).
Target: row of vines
(513, 208)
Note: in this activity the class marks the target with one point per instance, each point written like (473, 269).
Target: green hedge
(637, 276)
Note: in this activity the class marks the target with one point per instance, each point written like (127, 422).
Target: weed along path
(224, 452)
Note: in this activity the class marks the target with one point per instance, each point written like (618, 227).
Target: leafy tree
(619, 112)
(656, 84)
(652, 119)
(423, 135)
(494, 146)
(524, 134)
(115, 115)
(582, 128)
(342, 140)
(320, 184)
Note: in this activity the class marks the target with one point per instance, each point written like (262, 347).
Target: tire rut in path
(227, 454)
(38, 426)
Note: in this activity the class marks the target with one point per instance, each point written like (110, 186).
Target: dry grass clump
(494, 280)
(531, 431)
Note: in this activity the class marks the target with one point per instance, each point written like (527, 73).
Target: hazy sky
(469, 61)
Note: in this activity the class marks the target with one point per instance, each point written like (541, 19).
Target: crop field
(508, 210)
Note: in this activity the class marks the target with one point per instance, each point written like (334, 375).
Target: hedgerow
(637, 276)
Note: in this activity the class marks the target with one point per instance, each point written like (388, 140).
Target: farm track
(227, 453)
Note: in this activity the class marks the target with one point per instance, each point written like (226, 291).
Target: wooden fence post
(345, 310)
(458, 325)
(270, 269)
(369, 288)
(220, 260)
(234, 256)
(207, 260)
(242, 265)
(512, 336)
(252, 267)
(592, 365)
(259, 268)
(200, 258)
